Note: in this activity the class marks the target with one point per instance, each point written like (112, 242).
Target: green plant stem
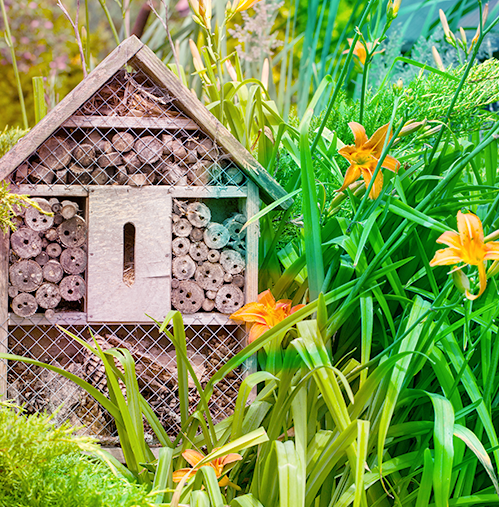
(339, 83)
(87, 27)
(110, 21)
(39, 96)
(365, 74)
(8, 38)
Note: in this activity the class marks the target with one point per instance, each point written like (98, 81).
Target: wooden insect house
(149, 193)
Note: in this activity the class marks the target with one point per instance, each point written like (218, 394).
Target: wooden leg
(4, 309)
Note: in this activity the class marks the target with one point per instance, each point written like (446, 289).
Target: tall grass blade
(311, 220)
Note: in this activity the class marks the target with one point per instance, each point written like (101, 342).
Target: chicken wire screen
(129, 133)
(39, 389)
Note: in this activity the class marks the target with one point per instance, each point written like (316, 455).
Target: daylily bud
(194, 4)
(83, 36)
(265, 73)
(437, 58)
(398, 86)
(205, 12)
(460, 281)
(196, 57)
(410, 127)
(392, 9)
(449, 36)
(463, 36)
(485, 13)
(231, 71)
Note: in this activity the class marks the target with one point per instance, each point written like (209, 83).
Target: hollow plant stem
(365, 75)
(110, 21)
(14, 65)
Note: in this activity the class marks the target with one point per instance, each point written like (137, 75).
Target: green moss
(43, 466)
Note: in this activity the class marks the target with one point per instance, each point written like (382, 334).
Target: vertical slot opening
(129, 254)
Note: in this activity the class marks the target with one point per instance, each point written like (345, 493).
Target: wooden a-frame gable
(133, 53)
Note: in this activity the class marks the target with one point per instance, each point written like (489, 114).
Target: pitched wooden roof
(136, 54)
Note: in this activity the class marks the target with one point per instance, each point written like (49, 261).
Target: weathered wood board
(4, 301)
(131, 122)
(109, 298)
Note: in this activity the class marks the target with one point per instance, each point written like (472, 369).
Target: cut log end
(24, 305)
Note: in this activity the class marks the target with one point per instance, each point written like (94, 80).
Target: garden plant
(375, 332)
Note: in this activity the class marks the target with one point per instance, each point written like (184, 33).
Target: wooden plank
(109, 299)
(69, 105)
(207, 319)
(208, 192)
(251, 282)
(194, 192)
(4, 309)
(151, 65)
(252, 235)
(50, 190)
(130, 122)
(63, 318)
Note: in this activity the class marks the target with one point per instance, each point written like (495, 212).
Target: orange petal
(483, 282)
(360, 52)
(256, 331)
(492, 250)
(231, 458)
(352, 174)
(251, 312)
(468, 224)
(445, 257)
(450, 238)
(348, 152)
(224, 481)
(284, 305)
(296, 308)
(377, 140)
(178, 475)
(391, 163)
(471, 235)
(378, 183)
(359, 132)
(192, 457)
(266, 298)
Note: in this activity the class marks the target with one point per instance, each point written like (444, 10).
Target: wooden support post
(4, 309)
(251, 285)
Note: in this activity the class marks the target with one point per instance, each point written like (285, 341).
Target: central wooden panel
(110, 299)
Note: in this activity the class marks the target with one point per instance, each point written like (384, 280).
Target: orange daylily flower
(194, 457)
(364, 156)
(360, 51)
(467, 246)
(265, 314)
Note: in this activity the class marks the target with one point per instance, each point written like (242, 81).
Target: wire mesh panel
(39, 389)
(129, 133)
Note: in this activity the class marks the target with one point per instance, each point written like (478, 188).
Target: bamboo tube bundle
(207, 275)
